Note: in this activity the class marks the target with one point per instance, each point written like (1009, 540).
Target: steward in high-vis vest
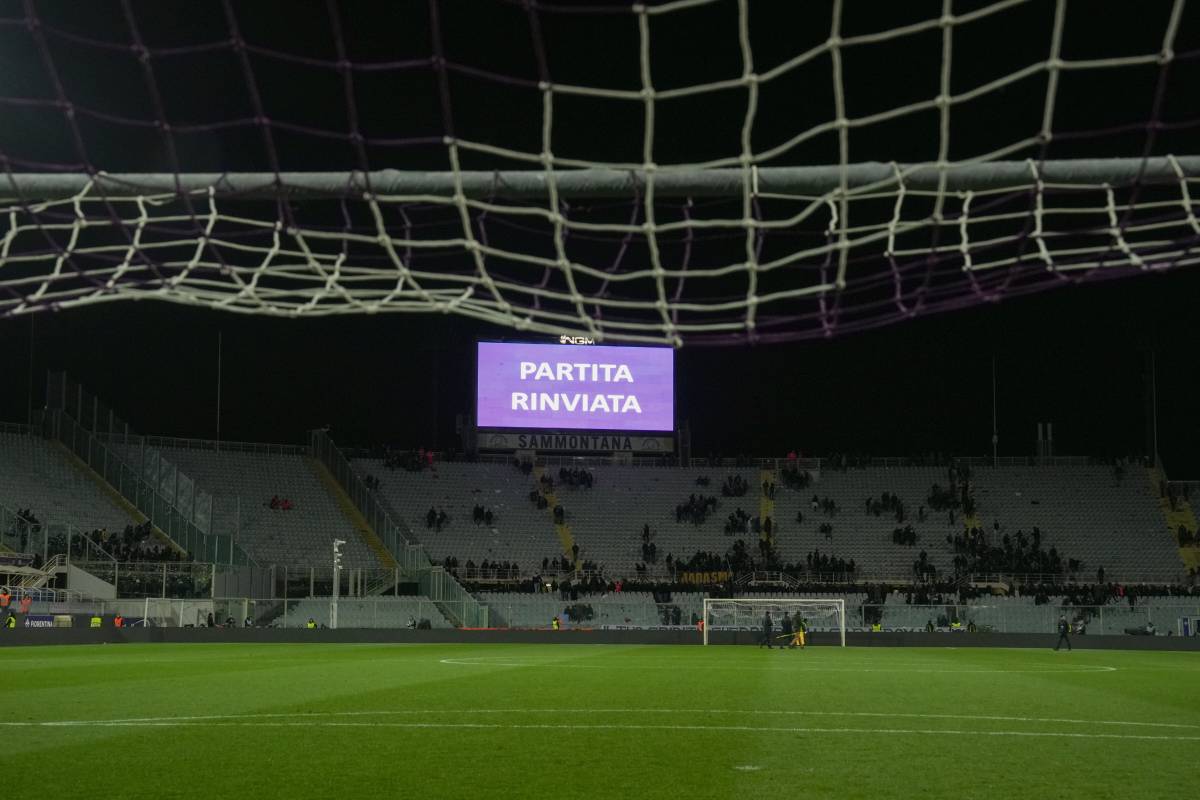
(5, 599)
(311, 624)
(96, 621)
(10, 621)
(118, 621)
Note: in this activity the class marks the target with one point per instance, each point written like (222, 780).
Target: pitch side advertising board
(561, 387)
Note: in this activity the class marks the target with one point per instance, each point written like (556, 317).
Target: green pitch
(594, 721)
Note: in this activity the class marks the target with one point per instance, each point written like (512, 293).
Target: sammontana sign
(577, 442)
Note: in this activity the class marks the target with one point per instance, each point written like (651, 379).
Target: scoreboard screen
(575, 387)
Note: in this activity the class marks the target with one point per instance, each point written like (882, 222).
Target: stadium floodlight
(746, 614)
(904, 214)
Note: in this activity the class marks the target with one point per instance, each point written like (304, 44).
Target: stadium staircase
(135, 515)
(451, 598)
(40, 577)
(138, 499)
(766, 505)
(1181, 514)
(360, 524)
(146, 497)
(562, 529)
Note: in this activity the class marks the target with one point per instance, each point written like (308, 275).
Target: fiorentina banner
(575, 387)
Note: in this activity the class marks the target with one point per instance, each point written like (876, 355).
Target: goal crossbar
(668, 181)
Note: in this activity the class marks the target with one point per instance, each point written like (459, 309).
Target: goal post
(746, 614)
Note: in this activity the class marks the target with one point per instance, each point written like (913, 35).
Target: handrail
(174, 486)
(221, 445)
(95, 546)
(433, 581)
(815, 464)
(861, 575)
(44, 573)
(1166, 577)
(131, 484)
(46, 594)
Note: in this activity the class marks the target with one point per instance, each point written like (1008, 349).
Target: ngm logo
(564, 339)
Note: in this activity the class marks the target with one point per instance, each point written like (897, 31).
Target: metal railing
(162, 579)
(411, 556)
(278, 612)
(1159, 578)
(199, 506)
(1160, 615)
(44, 594)
(144, 496)
(264, 448)
(781, 462)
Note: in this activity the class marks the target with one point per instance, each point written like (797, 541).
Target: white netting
(654, 249)
(747, 614)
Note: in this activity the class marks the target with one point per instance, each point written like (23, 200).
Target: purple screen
(563, 386)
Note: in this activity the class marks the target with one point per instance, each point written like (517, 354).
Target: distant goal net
(747, 615)
(725, 170)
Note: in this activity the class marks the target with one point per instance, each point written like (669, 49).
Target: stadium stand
(380, 612)
(519, 531)
(854, 531)
(36, 475)
(1084, 511)
(634, 609)
(300, 536)
(607, 520)
(1078, 510)
(1094, 514)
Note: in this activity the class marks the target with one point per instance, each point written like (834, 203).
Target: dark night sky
(1076, 357)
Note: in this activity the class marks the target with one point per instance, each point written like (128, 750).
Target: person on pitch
(767, 628)
(1064, 634)
(801, 629)
(786, 633)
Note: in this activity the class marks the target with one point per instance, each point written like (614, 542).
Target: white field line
(318, 716)
(308, 724)
(929, 669)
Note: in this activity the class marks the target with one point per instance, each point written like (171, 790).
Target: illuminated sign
(575, 387)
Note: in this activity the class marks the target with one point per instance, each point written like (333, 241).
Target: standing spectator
(1064, 631)
(766, 631)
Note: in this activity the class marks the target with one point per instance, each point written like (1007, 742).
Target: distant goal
(746, 614)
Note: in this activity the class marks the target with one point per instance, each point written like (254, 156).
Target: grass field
(564, 721)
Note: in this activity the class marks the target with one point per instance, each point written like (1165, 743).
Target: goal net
(746, 615)
(697, 171)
